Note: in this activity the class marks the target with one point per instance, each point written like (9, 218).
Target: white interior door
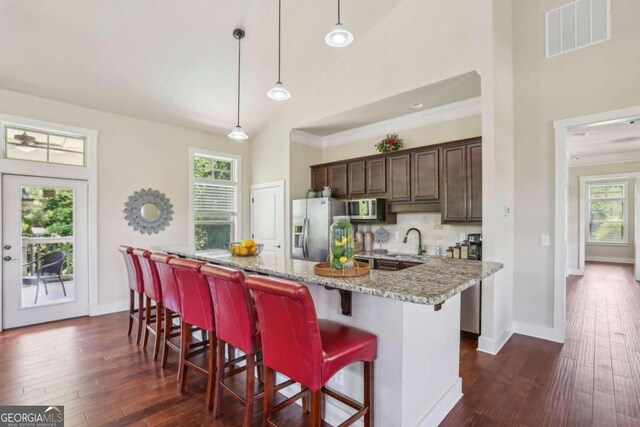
(45, 250)
(267, 216)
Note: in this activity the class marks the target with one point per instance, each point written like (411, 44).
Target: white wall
(595, 79)
(132, 154)
(451, 130)
(573, 231)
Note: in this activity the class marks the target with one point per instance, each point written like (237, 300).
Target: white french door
(44, 250)
(267, 216)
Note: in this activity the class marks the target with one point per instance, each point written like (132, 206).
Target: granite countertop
(432, 282)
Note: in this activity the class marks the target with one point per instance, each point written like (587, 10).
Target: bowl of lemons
(244, 248)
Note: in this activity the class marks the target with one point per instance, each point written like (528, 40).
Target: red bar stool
(153, 292)
(197, 310)
(170, 304)
(236, 325)
(307, 349)
(135, 288)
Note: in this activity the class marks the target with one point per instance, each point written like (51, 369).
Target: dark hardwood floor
(101, 377)
(593, 379)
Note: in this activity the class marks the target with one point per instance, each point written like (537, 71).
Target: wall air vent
(577, 24)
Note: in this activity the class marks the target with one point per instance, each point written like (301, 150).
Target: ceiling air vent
(577, 24)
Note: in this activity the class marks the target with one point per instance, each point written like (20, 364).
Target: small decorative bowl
(236, 249)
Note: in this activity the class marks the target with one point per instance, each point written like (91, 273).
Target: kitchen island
(416, 373)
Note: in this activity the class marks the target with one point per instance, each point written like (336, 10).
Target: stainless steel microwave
(369, 209)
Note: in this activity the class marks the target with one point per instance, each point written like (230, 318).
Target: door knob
(277, 246)
(7, 258)
(7, 247)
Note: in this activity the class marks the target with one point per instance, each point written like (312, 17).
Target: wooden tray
(359, 269)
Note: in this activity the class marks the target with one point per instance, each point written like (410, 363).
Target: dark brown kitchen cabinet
(474, 182)
(387, 265)
(425, 175)
(357, 175)
(338, 179)
(376, 175)
(390, 265)
(319, 178)
(462, 183)
(399, 178)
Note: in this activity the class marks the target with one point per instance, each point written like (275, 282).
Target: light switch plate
(545, 240)
(397, 234)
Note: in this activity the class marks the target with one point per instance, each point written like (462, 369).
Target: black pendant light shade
(238, 132)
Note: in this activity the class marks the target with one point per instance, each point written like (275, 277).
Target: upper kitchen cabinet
(399, 178)
(338, 177)
(376, 175)
(425, 175)
(357, 177)
(474, 182)
(319, 177)
(462, 183)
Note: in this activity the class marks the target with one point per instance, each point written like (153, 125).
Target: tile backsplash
(433, 232)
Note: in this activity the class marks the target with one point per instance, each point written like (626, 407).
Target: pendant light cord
(279, 35)
(338, 11)
(239, 43)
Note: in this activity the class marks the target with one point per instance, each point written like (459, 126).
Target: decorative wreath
(391, 143)
(133, 211)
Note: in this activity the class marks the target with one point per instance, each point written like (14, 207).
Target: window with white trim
(40, 145)
(214, 200)
(607, 213)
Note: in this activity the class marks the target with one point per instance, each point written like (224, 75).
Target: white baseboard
(443, 406)
(575, 272)
(537, 331)
(109, 308)
(608, 259)
(493, 346)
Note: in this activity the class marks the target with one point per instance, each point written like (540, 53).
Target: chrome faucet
(420, 251)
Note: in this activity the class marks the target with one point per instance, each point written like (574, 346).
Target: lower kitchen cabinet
(390, 265)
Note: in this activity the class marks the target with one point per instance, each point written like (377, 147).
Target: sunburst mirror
(148, 211)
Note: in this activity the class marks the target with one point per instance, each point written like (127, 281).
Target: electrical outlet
(339, 377)
(397, 235)
(545, 240)
(463, 237)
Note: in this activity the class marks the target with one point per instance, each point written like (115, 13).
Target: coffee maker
(475, 246)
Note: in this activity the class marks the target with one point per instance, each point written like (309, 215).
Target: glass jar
(341, 251)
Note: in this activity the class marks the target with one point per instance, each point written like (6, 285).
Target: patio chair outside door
(45, 247)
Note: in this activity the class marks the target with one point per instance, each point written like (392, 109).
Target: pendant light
(238, 132)
(339, 36)
(279, 92)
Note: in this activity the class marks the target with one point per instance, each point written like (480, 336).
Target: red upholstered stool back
(150, 279)
(170, 295)
(233, 308)
(289, 330)
(133, 268)
(195, 299)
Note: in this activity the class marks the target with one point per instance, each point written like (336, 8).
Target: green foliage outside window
(48, 211)
(606, 206)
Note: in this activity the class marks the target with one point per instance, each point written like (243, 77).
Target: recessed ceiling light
(417, 105)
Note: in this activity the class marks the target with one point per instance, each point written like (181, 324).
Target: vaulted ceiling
(172, 61)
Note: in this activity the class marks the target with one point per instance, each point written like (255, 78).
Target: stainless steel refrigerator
(311, 219)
